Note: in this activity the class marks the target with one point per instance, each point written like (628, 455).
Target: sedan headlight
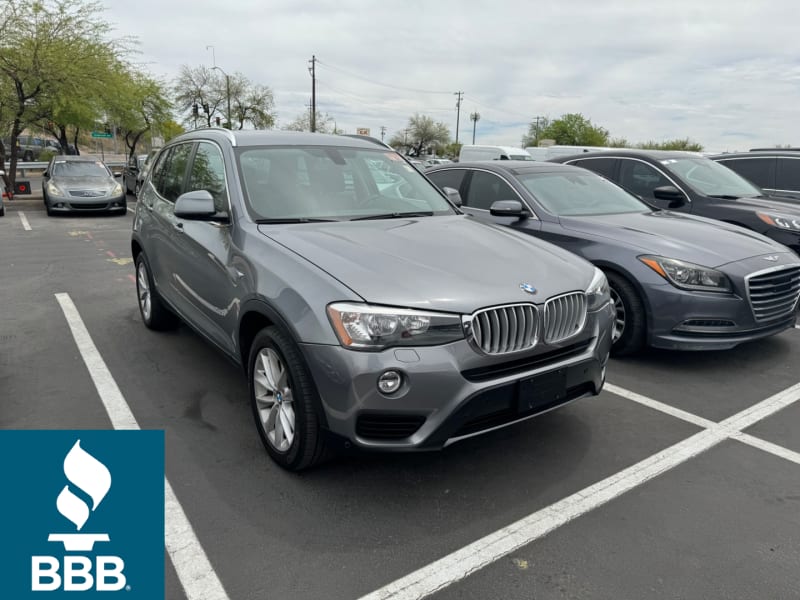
(53, 189)
(780, 221)
(366, 327)
(117, 189)
(598, 294)
(688, 276)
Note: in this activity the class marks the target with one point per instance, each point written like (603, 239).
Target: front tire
(283, 400)
(630, 322)
(155, 315)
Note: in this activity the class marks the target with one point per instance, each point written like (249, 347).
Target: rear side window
(208, 173)
(601, 166)
(451, 178)
(788, 174)
(760, 171)
(171, 172)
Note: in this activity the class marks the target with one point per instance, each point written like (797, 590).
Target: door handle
(178, 227)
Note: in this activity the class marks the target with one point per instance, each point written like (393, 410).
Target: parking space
(716, 521)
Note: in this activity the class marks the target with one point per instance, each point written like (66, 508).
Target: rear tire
(630, 317)
(283, 399)
(155, 314)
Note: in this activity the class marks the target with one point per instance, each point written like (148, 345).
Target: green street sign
(101, 134)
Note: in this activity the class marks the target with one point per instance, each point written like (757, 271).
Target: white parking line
(467, 560)
(660, 406)
(25, 225)
(197, 576)
(131, 210)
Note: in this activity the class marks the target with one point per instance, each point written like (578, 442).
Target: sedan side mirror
(453, 195)
(508, 208)
(670, 193)
(197, 205)
(46, 174)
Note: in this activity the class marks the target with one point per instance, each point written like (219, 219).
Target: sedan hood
(455, 264)
(673, 235)
(84, 183)
(786, 207)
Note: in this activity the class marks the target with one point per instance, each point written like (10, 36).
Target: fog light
(389, 382)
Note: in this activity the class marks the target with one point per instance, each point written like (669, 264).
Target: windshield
(711, 178)
(79, 169)
(520, 157)
(317, 182)
(574, 194)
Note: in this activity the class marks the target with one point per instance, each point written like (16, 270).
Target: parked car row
(30, 147)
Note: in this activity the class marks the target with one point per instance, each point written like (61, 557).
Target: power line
(372, 81)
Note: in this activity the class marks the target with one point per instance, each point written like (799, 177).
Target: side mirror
(670, 193)
(453, 195)
(508, 208)
(46, 174)
(196, 206)
(118, 174)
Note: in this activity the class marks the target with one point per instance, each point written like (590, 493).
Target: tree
(199, 87)
(534, 130)
(620, 142)
(573, 129)
(421, 134)
(452, 150)
(140, 106)
(251, 103)
(324, 123)
(677, 144)
(50, 50)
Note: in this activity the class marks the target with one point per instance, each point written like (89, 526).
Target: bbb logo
(84, 515)
(93, 478)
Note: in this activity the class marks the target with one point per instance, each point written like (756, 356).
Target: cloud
(643, 70)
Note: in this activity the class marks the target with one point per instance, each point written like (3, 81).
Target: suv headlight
(117, 189)
(597, 294)
(366, 327)
(780, 221)
(688, 276)
(53, 189)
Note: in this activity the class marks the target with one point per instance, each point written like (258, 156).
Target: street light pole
(227, 84)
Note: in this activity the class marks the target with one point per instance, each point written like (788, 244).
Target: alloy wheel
(143, 285)
(274, 399)
(619, 315)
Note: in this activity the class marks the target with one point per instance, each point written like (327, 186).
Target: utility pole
(458, 111)
(383, 131)
(537, 129)
(476, 116)
(313, 71)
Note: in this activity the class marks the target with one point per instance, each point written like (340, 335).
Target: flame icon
(93, 478)
(87, 474)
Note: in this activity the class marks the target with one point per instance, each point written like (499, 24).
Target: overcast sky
(725, 73)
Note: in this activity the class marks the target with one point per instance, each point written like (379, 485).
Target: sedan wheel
(619, 316)
(274, 400)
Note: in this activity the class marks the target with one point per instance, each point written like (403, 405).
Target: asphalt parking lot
(681, 480)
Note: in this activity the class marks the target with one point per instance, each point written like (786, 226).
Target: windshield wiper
(396, 215)
(725, 196)
(280, 221)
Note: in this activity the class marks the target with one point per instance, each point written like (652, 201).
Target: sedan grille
(87, 193)
(505, 329)
(564, 316)
(774, 294)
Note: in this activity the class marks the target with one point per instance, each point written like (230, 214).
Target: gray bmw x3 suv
(364, 307)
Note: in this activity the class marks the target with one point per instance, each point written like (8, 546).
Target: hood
(455, 263)
(674, 235)
(84, 183)
(782, 205)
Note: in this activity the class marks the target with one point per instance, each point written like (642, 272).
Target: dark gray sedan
(678, 281)
(77, 183)
(364, 307)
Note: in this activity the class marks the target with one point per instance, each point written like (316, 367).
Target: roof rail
(774, 149)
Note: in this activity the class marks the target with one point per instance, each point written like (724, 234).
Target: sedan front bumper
(75, 204)
(451, 392)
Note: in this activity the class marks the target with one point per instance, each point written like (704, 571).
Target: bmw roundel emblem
(527, 287)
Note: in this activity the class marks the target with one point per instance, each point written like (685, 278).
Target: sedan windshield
(79, 169)
(711, 178)
(572, 194)
(307, 183)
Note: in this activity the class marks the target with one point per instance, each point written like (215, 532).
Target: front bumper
(75, 204)
(686, 320)
(451, 392)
